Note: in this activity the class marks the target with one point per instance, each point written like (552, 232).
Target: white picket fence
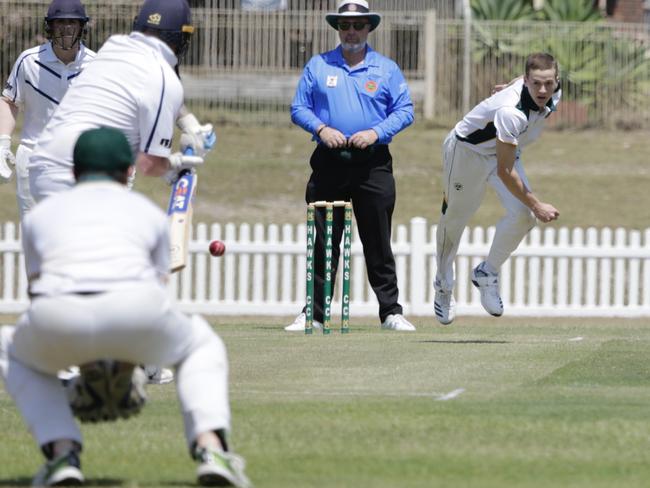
(563, 272)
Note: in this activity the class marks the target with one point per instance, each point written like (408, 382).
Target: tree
(502, 10)
(573, 11)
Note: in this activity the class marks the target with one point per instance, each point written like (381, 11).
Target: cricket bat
(180, 218)
(181, 202)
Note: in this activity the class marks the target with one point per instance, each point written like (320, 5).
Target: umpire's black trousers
(365, 177)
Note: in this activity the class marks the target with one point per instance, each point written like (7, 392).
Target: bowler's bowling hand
(546, 212)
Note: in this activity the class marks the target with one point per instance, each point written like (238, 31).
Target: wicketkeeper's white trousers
(466, 175)
(137, 325)
(23, 195)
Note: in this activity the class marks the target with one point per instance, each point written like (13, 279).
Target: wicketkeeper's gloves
(107, 390)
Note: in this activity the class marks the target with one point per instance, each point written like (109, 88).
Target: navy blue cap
(164, 15)
(66, 9)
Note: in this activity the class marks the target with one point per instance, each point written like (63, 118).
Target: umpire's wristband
(320, 130)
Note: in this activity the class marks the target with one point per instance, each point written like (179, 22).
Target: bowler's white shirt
(37, 83)
(510, 115)
(131, 86)
(110, 237)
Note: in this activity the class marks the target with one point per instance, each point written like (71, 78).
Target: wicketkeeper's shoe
(488, 285)
(68, 374)
(298, 325)
(64, 470)
(219, 468)
(397, 322)
(445, 307)
(158, 376)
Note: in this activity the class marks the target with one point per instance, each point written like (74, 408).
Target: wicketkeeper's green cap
(102, 150)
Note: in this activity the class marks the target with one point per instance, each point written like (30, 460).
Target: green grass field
(535, 403)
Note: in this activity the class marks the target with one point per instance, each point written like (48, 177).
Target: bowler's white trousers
(136, 324)
(466, 175)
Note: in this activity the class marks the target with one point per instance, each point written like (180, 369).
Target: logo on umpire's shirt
(8, 86)
(458, 186)
(371, 86)
(166, 142)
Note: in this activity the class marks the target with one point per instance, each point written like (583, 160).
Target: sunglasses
(358, 26)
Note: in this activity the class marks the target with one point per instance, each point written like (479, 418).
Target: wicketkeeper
(98, 257)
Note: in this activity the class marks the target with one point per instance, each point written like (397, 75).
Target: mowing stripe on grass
(356, 394)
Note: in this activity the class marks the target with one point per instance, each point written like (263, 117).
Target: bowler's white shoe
(488, 285)
(397, 322)
(298, 325)
(445, 307)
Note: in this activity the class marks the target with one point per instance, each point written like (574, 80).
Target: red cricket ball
(217, 248)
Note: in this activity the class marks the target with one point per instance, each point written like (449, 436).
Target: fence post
(215, 266)
(417, 266)
(645, 299)
(534, 265)
(605, 269)
(430, 65)
(547, 293)
(634, 266)
(591, 277)
(577, 241)
(467, 53)
(619, 268)
(201, 264)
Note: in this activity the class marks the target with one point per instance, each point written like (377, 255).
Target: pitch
(485, 403)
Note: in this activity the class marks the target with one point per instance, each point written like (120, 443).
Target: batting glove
(201, 138)
(6, 158)
(179, 162)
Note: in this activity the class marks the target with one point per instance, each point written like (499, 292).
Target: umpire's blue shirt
(372, 95)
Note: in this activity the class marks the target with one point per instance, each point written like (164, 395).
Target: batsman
(132, 85)
(98, 264)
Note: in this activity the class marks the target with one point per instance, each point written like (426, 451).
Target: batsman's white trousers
(46, 179)
(136, 324)
(466, 175)
(23, 195)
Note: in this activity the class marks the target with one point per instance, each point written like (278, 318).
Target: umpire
(353, 101)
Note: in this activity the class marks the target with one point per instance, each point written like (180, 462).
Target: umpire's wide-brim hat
(348, 9)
